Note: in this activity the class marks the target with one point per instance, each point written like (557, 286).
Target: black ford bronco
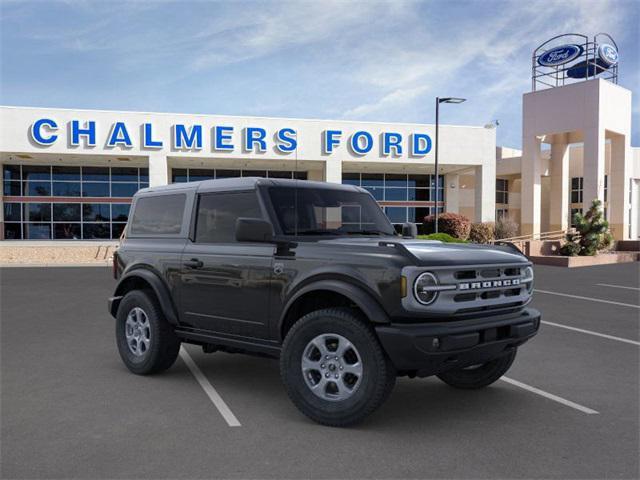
(315, 274)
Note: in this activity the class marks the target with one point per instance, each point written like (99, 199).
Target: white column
(559, 204)
(531, 188)
(452, 195)
(158, 170)
(333, 170)
(593, 167)
(618, 188)
(485, 192)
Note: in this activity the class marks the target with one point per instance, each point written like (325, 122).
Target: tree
(592, 233)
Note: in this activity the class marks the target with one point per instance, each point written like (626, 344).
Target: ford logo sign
(608, 54)
(560, 55)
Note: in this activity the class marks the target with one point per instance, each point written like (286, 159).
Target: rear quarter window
(158, 215)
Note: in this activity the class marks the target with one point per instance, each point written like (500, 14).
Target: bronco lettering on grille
(488, 284)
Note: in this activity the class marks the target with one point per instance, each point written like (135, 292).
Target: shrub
(453, 224)
(443, 237)
(482, 232)
(592, 233)
(506, 228)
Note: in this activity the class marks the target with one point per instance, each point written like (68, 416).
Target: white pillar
(618, 188)
(333, 170)
(158, 170)
(485, 192)
(452, 195)
(531, 188)
(559, 204)
(593, 167)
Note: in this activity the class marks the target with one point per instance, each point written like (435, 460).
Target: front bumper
(430, 348)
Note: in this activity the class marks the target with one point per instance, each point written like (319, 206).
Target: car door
(225, 285)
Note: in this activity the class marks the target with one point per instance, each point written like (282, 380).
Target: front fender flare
(363, 300)
(157, 285)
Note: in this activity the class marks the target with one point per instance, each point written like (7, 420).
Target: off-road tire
(378, 376)
(164, 344)
(481, 376)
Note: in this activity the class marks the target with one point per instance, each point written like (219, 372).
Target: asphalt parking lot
(70, 409)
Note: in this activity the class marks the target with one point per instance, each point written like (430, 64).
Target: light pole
(438, 102)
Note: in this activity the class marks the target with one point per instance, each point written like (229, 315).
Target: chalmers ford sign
(221, 138)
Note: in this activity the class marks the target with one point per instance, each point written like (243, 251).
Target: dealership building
(70, 174)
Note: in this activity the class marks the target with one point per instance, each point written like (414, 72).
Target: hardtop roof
(243, 183)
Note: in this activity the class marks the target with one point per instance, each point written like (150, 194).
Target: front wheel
(479, 376)
(333, 367)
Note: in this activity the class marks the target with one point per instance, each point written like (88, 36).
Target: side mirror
(409, 230)
(253, 230)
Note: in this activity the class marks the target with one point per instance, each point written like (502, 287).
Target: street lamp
(438, 102)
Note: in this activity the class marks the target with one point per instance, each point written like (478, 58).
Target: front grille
(485, 289)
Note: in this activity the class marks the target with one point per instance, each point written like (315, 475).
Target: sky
(344, 60)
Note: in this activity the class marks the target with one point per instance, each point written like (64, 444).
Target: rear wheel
(146, 341)
(334, 368)
(481, 375)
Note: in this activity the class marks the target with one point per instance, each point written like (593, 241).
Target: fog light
(435, 343)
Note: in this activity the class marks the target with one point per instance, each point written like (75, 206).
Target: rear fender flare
(157, 285)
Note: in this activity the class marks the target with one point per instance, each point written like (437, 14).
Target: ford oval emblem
(560, 55)
(608, 54)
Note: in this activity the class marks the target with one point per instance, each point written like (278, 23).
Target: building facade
(70, 174)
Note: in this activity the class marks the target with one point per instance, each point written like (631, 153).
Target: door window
(218, 212)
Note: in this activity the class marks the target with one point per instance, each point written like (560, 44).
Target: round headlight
(528, 277)
(424, 288)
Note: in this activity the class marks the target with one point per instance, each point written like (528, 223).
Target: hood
(435, 253)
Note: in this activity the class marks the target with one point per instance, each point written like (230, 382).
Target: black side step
(241, 343)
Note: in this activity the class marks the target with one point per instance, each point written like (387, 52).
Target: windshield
(324, 211)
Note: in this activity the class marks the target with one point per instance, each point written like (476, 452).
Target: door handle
(194, 263)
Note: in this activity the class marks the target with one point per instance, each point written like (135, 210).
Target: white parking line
(211, 392)
(600, 300)
(550, 396)
(616, 286)
(610, 337)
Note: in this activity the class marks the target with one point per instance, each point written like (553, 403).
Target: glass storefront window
(120, 212)
(96, 231)
(37, 231)
(12, 212)
(395, 194)
(12, 189)
(396, 214)
(37, 212)
(95, 189)
(66, 212)
(11, 172)
(117, 229)
(13, 231)
(197, 174)
(69, 231)
(225, 173)
(95, 212)
(372, 180)
(59, 219)
(123, 189)
(95, 174)
(66, 189)
(66, 173)
(37, 189)
(36, 172)
(124, 174)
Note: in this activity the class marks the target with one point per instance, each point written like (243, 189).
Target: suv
(315, 274)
